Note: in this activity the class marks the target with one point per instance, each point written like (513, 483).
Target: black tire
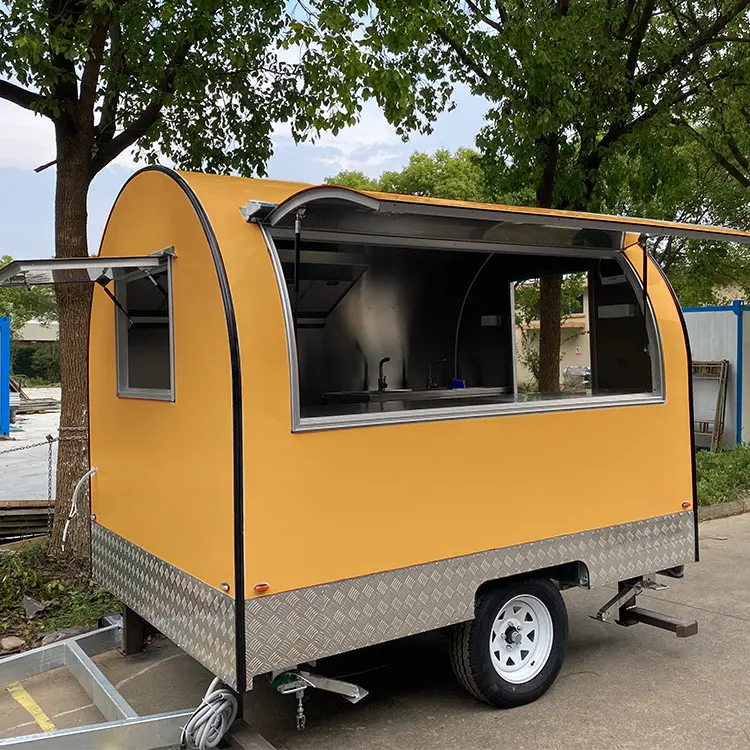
(471, 654)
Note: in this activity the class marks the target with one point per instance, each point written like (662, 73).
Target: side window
(145, 366)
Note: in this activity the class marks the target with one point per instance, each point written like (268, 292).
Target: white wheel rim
(521, 639)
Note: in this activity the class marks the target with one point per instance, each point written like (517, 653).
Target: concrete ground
(619, 687)
(23, 473)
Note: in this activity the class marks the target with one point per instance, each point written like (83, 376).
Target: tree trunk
(74, 304)
(550, 288)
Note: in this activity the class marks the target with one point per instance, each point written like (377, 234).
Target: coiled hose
(211, 720)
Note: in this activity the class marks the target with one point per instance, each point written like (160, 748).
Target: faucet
(431, 384)
(382, 382)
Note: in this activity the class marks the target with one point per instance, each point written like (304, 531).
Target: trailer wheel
(511, 652)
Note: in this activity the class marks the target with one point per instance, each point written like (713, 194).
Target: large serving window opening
(402, 309)
(144, 334)
(407, 329)
(411, 326)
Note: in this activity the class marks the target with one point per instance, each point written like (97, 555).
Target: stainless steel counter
(416, 394)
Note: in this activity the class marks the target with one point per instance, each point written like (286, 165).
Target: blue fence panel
(4, 376)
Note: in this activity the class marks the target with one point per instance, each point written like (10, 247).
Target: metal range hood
(325, 279)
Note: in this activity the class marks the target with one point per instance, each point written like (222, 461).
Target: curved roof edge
(394, 203)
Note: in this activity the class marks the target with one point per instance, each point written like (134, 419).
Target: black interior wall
(620, 359)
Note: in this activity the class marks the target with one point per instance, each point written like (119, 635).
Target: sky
(27, 140)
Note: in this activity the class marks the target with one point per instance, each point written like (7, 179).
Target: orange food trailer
(310, 434)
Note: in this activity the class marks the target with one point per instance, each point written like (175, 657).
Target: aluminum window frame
(655, 350)
(121, 338)
(301, 424)
(105, 265)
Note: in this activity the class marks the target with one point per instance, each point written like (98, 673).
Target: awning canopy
(74, 270)
(340, 214)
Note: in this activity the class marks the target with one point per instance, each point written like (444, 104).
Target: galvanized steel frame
(123, 728)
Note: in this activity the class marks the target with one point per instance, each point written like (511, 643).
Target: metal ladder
(713, 428)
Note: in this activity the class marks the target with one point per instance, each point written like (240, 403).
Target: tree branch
(502, 11)
(702, 39)
(739, 157)
(638, 37)
(677, 16)
(730, 168)
(464, 56)
(92, 67)
(18, 95)
(106, 126)
(485, 19)
(732, 39)
(626, 20)
(148, 117)
(593, 160)
(42, 167)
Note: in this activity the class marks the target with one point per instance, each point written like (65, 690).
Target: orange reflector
(686, 504)
(261, 588)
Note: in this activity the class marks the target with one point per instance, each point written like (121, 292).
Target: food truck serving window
(400, 308)
(144, 330)
(407, 327)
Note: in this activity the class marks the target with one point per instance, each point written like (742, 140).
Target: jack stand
(650, 582)
(629, 614)
(295, 682)
(625, 596)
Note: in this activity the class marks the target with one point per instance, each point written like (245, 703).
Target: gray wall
(713, 336)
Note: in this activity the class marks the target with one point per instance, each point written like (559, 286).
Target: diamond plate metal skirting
(195, 616)
(296, 626)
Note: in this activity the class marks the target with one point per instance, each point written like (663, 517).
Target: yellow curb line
(22, 697)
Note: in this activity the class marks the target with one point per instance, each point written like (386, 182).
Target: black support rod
(297, 232)
(645, 293)
(103, 285)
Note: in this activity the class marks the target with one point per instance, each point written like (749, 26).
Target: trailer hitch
(628, 613)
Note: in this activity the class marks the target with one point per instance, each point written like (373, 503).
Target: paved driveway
(619, 688)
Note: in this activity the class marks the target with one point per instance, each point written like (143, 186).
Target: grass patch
(39, 383)
(723, 476)
(64, 587)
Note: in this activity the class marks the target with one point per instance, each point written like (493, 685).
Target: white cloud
(370, 146)
(364, 146)
(28, 140)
